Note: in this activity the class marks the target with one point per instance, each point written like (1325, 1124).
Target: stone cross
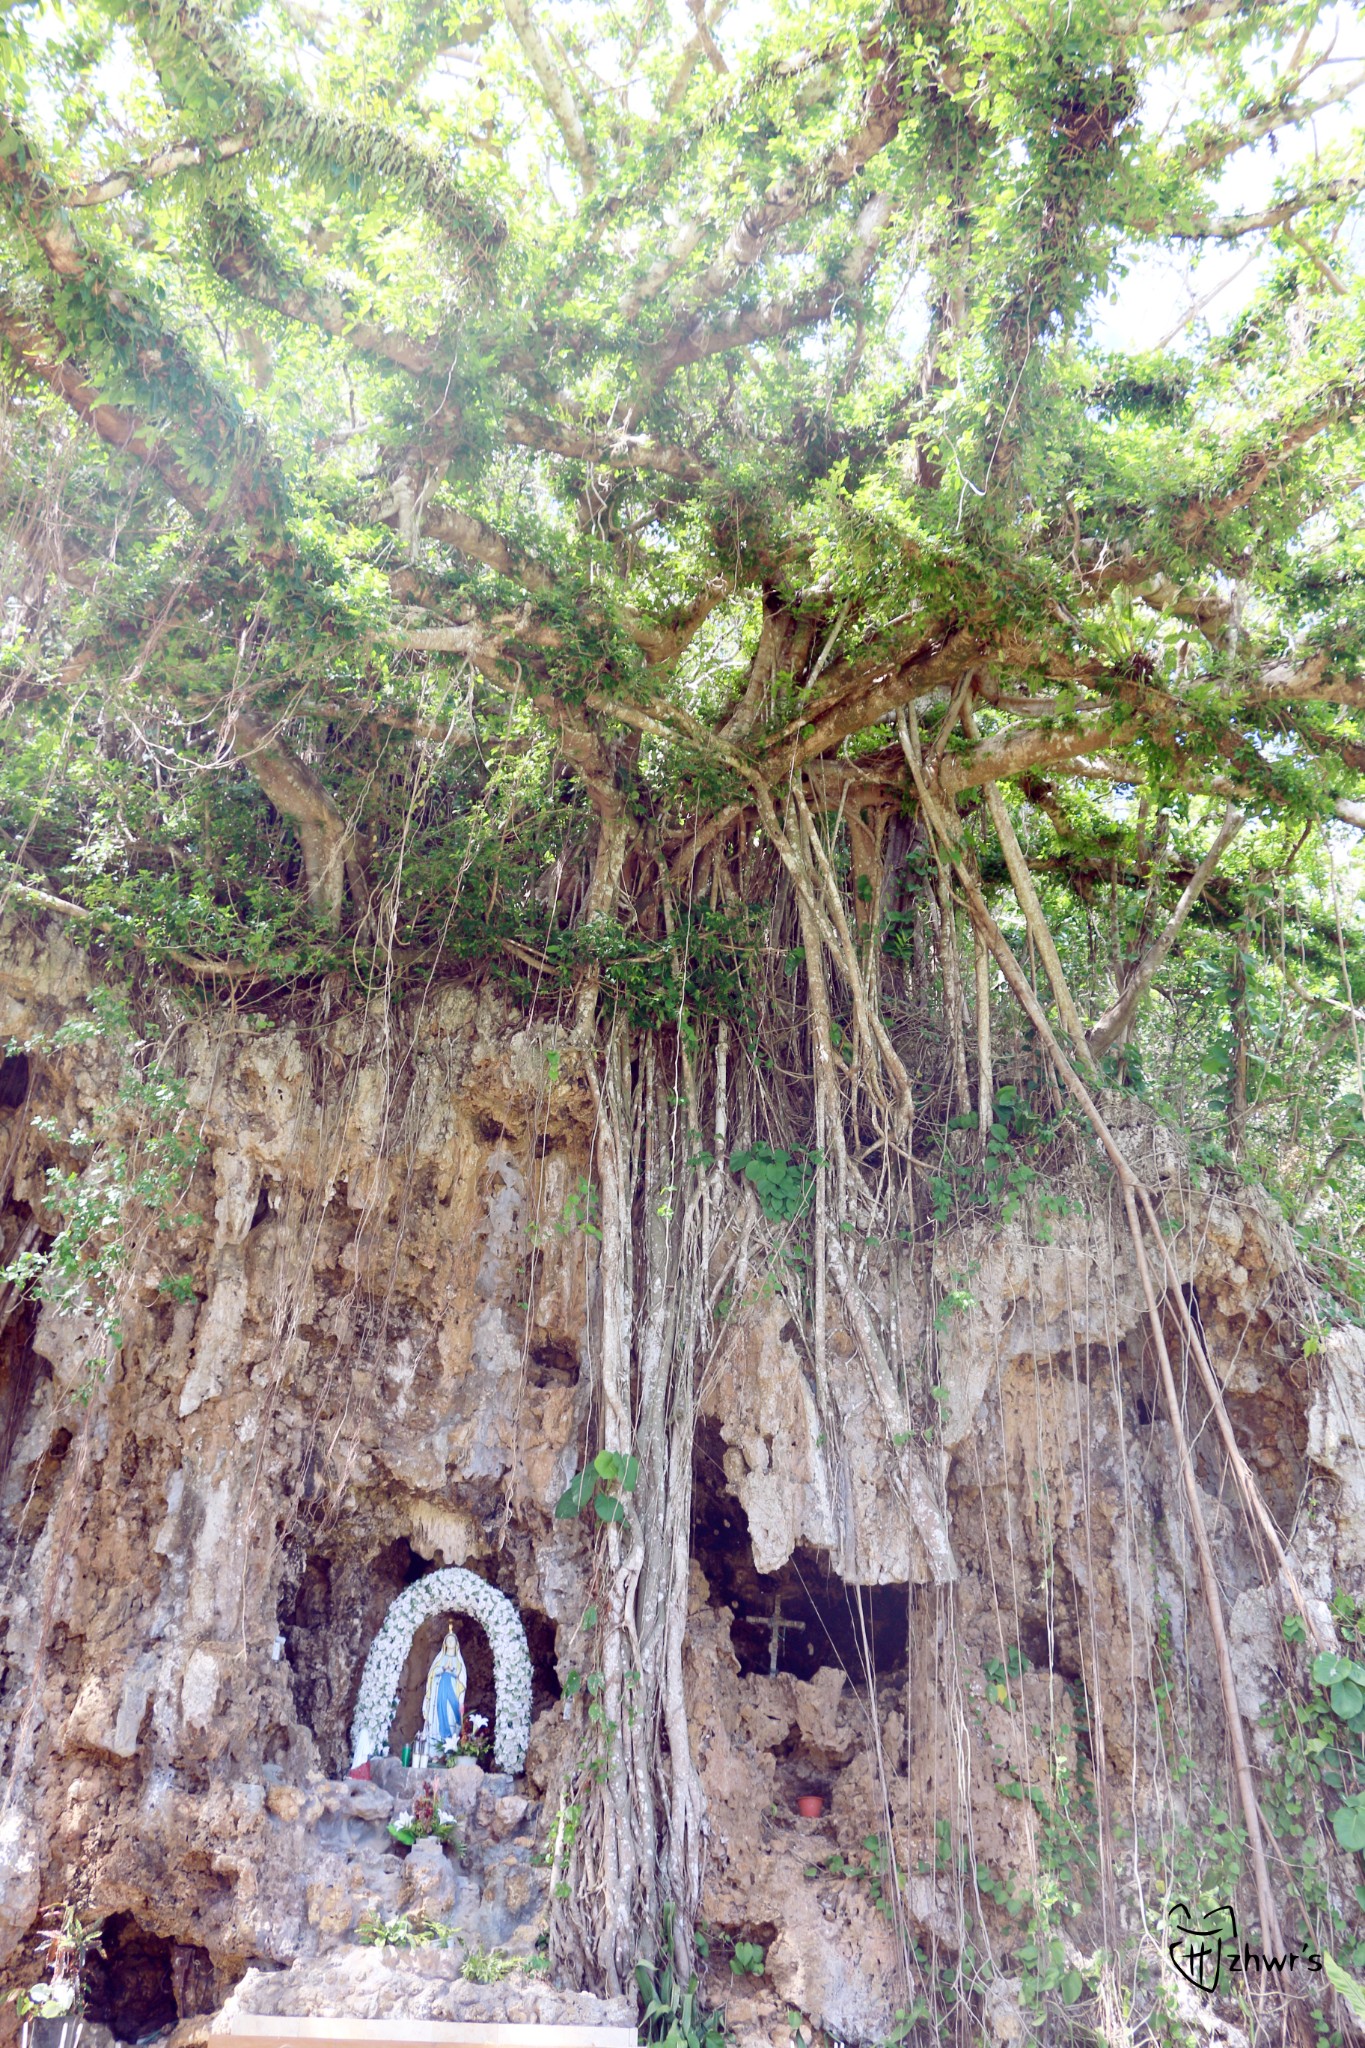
(776, 1628)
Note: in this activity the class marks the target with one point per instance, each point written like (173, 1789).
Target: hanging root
(1131, 1188)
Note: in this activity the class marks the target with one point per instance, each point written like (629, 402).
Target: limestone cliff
(379, 1369)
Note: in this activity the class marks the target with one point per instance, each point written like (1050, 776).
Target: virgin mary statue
(443, 1702)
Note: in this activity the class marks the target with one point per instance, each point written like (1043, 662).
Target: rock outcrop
(352, 1351)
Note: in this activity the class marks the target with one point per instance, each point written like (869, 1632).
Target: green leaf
(1347, 1698)
(575, 1496)
(1071, 1987)
(1348, 1823)
(609, 1465)
(630, 1473)
(1346, 1986)
(607, 1509)
(1329, 1669)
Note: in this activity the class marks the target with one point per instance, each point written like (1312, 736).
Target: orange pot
(811, 1805)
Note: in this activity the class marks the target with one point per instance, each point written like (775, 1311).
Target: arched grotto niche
(448, 1593)
(332, 1603)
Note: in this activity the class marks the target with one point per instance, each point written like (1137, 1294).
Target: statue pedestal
(457, 1786)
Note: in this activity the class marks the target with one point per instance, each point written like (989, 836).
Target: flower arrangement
(454, 1591)
(473, 1741)
(428, 1817)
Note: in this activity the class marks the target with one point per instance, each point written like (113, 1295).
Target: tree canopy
(461, 470)
(465, 477)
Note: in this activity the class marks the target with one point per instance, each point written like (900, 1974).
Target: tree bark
(328, 841)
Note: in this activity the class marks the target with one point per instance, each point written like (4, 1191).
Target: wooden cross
(776, 1628)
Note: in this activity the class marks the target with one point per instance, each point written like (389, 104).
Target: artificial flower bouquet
(428, 1817)
(472, 1739)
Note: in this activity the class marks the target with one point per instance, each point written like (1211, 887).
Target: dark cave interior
(823, 1620)
(131, 1987)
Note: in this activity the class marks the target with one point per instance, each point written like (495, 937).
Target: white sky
(1159, 291)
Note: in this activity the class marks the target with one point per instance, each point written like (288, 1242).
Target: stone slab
(261, 2030)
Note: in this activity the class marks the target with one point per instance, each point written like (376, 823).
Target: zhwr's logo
(1204, 1947)
(1197, 1947)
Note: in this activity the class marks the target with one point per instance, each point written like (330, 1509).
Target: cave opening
(802, 1617)
(332, 1602)
(552, 1363)
(131, 1987)
(14, 1079)
(20, 1370)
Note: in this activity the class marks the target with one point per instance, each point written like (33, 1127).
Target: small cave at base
(131, 1987)
(824, 1621)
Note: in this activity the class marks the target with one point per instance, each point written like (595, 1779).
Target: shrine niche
(451, 1590)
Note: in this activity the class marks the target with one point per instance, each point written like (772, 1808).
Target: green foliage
(783, 1181)
(672, 2016)
(1348, 1987)
(875, 1873)
(117, 1192)
(406, 1930)
(598, 1484)
(66, 1949)
(492, 1966)
(747, 1960)
(1340, 1757)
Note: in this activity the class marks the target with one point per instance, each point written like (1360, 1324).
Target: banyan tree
(655, 509)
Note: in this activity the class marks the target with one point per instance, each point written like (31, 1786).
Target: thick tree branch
(790, 199)
(1119, 1015)
(181, 157)
(248, 485)
(312, 138)
(549, 71)
(469, 536)
(1010, 753)
(696, 340)
(1230, 227)
(328, 842)
(39, 353)
(1284, 114)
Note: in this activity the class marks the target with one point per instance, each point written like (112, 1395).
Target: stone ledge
(398, 1994)
(260, 2030)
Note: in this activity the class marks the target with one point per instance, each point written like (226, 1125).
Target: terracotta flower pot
(811, 1805)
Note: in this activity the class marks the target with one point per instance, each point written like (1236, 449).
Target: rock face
(354, 1355)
